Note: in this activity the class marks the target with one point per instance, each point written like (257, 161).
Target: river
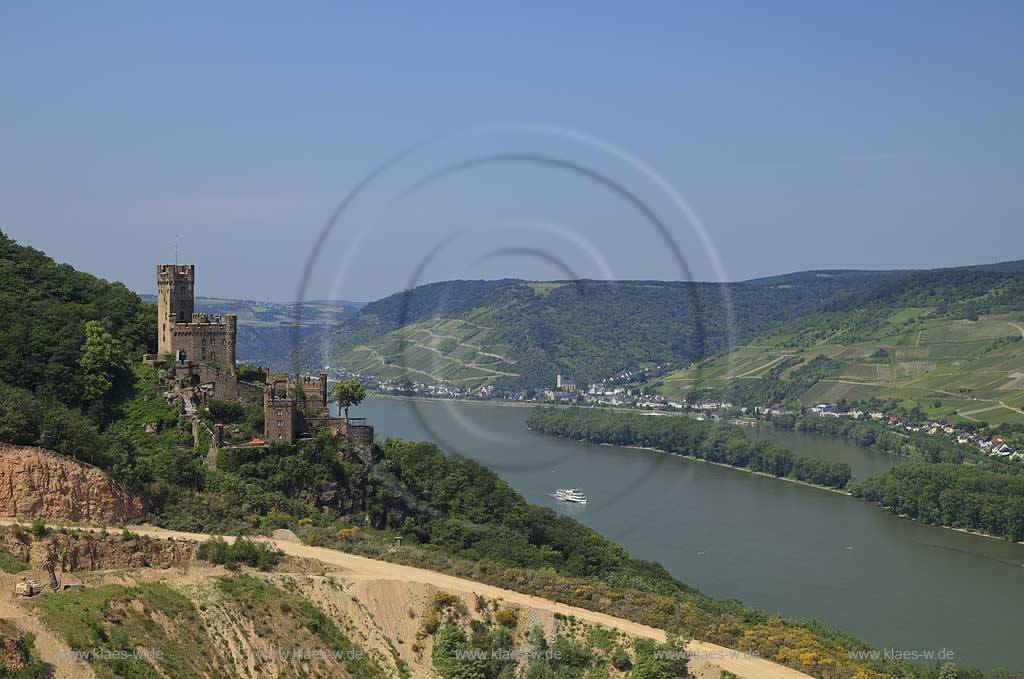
(780, 546)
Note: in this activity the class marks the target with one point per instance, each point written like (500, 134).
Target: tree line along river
(783, 547)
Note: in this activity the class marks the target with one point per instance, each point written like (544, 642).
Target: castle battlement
(199, 319)
(176, 271)
(201, 337)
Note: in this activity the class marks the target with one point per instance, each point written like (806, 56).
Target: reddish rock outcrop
(84, 551)
(40, 483)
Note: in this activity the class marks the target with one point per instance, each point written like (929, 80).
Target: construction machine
(28, 588)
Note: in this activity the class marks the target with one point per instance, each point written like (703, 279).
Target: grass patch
(10, 563)
(109, 618)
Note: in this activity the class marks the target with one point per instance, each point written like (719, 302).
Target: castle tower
(175, 293)
(231, 332)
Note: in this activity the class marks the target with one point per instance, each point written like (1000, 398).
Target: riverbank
(747, 422)
(698, 459)
(430, 399)
(789, 479)
(504, 403)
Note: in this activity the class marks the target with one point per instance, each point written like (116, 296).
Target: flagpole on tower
(175, 250)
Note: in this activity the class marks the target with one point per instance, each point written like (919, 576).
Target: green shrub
(507, 617)
(39, 528)
(227, 411)
(241, 552)
(620, 659)
(430, 624)
(10, 563)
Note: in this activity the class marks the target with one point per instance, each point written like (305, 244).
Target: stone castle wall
(226, 387)
(203, 337)
(206, 339)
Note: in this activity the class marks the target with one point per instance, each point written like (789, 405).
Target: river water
(780, 546)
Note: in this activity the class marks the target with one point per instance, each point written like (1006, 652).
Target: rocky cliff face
(40, 483)
(82, 551)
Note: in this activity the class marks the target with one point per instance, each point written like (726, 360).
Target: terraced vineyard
(442, 349)
(519, 334)
(921, 335)
(950, 367)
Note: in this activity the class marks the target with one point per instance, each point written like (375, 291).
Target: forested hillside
(515, 333)
(66, 342)
(45, 307)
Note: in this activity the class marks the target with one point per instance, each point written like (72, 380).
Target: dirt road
(361, 568)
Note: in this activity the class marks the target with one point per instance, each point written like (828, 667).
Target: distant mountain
(844, 277)
(856, 277)
(267, 330)
(516, 333)
(347, 303)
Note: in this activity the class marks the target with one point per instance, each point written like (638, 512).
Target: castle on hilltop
(184, 334)
(202, 348)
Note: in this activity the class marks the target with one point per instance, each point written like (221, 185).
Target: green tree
(347, 394)
(659, 661)
(452, 656)
(101, 359)
(949, 671)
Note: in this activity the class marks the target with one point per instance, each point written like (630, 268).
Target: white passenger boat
(570, 495)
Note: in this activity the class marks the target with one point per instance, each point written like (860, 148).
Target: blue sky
(870, 135)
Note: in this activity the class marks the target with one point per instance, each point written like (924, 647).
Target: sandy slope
(361, 568)
(357, 568)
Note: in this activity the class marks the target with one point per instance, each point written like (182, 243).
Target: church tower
(175, 293)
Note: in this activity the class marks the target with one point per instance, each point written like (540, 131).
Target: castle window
(280, 423)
